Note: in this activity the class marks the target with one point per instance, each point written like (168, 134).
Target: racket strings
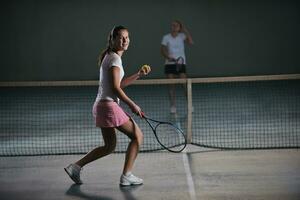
(179, 63)
(170, 137)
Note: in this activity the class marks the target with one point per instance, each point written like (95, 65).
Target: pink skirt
(109, 114)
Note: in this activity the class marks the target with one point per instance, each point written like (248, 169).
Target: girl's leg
(109, 136)
(183, 75)
(135, 134)
(172, 94)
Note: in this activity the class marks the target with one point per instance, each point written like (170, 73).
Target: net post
(190, 110)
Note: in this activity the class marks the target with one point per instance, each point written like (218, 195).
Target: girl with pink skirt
(107, 112)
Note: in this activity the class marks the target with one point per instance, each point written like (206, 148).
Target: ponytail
(101, 56)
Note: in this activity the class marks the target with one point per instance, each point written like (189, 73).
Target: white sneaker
(173, 109)
(130, 179)
(73, 171)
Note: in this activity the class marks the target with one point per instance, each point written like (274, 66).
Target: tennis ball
(146, 68)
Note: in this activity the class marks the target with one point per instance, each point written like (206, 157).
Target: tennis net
(253, 112)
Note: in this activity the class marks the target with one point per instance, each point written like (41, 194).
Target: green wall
(60, 40)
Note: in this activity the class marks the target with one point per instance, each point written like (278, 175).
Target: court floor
(197, 173)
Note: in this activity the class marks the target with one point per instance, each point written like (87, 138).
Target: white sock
(127, 173)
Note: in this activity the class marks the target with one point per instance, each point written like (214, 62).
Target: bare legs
(172, 88)
(109, 135)
(135, 134)
(172, 91)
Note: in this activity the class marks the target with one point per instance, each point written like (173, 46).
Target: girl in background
(173, 48)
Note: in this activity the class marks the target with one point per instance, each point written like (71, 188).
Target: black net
(59, 120)
(45, 120)
(241, 115)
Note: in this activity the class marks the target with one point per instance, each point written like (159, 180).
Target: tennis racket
(168, 135)
(179, 63)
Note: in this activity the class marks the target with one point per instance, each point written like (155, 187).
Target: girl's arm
(116, 85)
(189, 38)
(129, 80)
(165, 53)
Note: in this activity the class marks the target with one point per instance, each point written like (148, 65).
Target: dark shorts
(175, 69)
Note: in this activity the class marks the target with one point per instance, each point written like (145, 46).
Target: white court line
(189, 177)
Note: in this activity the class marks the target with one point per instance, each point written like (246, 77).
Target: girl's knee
(139, 138)
(109, 148)
(132, 131)
(110, 140)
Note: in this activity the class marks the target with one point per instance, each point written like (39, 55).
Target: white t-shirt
(175, 46)
(105, 90)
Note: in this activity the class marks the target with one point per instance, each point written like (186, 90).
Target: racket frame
(179, 63)
(147, 119)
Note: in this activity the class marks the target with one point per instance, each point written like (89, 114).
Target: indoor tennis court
(240, 144)
(239, 107)
(199, 174)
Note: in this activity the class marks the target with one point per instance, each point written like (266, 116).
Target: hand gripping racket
(179, 63)
(168, 135)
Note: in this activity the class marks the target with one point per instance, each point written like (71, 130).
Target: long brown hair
(111, 37)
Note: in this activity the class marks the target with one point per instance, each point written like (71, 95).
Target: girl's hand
(183, 28)
(136, 109)
(145, 70)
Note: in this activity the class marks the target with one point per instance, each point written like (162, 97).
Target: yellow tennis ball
(146, 68)
(149, 68)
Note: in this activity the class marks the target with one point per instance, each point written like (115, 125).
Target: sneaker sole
(128, 183)
(73, 179)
